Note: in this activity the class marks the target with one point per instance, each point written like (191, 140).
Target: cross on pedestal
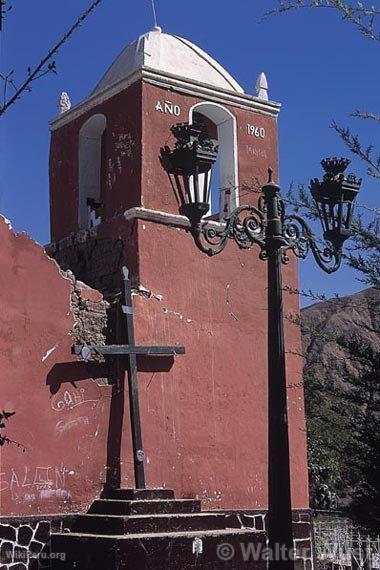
(130, 351)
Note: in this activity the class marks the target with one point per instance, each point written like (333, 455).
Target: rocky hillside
(329, 327)
(341, 339)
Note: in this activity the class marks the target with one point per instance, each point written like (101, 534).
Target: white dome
(169, 55)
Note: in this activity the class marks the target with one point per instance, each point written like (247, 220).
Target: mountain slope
(341, 344)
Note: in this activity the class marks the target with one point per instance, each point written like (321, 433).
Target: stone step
(119, 525)
(136, 494)
(141, 507)
(161, 551)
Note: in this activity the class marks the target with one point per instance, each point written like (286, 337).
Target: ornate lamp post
(275, 232)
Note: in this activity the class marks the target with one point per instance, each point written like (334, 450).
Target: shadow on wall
(115, 375)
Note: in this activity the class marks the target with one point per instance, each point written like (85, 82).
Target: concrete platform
(149, 529)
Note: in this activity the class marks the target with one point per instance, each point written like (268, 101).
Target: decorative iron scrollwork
(189, 166)
(301, 239)
(247, 227)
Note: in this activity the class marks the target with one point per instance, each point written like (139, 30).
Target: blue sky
(318, 67)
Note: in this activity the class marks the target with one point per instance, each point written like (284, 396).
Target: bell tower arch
(92, 170)
(225, 186)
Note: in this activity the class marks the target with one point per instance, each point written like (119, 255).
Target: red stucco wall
(204, 417)
(61, 415)
(255, 155)
(136, 131)
(205, 421)
(123, 149)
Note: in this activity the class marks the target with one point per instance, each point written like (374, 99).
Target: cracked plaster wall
(61, 413)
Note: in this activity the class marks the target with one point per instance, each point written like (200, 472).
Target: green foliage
(343, 423)
(366, 154)
(343, 418)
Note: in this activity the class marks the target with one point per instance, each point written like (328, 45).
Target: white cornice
(137, 213)
(175, 83)
(164, 218)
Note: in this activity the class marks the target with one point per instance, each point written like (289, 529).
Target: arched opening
(92, 171)
(220, 124)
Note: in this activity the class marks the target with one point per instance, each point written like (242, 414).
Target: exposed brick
(94, 261)
(42, 533)
(90, 316)
(24, 535)
(6, 553)
(87, 293)
(247, 521)
(7, 532)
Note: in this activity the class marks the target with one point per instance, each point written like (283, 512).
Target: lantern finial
(334, 166)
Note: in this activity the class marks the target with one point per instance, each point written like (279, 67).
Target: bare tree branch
(308, 294)
(366, 154)
(361, 16)
(365, 115)
(3, 10)
(45, 66)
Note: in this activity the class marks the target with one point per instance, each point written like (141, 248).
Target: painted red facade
(61, 414)
(204, 415)
(204, 419)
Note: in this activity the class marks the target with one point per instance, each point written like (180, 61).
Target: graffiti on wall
(29, 483)
(71, 398)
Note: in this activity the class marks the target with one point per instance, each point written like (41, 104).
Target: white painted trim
(89, 166)
(136, 213)
(176, 83)
(164, 218)
(177, 80)
(234, 196)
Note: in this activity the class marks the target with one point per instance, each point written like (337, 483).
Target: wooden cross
(130, 351)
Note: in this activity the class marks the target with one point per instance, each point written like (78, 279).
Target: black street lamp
(275, 233)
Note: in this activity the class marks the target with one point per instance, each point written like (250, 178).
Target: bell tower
(204, 421)
(104, 151)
